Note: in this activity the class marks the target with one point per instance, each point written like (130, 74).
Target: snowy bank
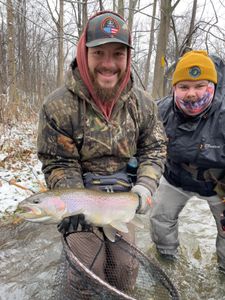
(18, 165)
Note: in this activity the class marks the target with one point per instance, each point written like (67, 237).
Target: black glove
(70, 224)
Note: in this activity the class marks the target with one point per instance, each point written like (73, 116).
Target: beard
(106, 94)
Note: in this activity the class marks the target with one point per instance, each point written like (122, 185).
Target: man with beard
(99, 131)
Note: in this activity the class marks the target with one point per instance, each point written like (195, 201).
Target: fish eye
(36, 201)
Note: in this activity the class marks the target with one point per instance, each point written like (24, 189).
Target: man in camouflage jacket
(98, 121)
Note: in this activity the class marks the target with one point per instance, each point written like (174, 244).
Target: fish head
(42, 207)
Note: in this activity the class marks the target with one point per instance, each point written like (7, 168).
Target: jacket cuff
(148, 183)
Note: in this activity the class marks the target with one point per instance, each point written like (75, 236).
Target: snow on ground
(18, 164)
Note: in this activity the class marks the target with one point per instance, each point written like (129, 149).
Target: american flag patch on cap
(110, 26)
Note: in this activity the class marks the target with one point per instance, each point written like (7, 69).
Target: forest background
(38, 40)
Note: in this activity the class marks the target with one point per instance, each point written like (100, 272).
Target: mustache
(104, 69)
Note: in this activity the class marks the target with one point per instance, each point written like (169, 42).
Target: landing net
(74, 280)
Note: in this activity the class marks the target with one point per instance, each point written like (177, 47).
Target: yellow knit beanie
(195, 65)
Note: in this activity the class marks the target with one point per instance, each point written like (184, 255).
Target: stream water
(29, 256)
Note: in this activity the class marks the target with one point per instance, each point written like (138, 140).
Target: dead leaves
(10, 219)
(13, 156)
(12, 181)
(20, 171)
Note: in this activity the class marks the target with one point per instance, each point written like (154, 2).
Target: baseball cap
(195, 65)
(106, 28)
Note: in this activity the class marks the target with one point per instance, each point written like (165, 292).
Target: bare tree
(80, 11)
(151, 42)
(84, 13)
(3, 50)
(192, 24)
(121, 7)
(166, 10)
(114, 5)
(3, 65)
(60, 34)
(60, 72)
(180, 49)
(132, 6)
(22, 51)
(101, 7)
(11, 53)
(35, 35)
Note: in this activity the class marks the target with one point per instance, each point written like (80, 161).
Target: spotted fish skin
(111, 211)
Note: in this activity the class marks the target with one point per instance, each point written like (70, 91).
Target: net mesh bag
(99, 277)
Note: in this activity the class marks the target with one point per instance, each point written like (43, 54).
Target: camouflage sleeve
(151, 150)
(56, 148)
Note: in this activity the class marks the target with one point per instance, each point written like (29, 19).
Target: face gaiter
(194, 108)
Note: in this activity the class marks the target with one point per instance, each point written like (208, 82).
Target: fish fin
(137, 222)
(121, 226)
(45, 219)
(110, 232)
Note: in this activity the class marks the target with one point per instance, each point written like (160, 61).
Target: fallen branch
(42, 187)
(13, 182)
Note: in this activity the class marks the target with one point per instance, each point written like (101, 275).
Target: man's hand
(70, 224)
(144, 198)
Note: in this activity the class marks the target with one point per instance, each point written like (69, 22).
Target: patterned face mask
(194, 108)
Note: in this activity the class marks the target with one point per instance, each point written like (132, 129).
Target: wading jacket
(74, 137)
(196, 145)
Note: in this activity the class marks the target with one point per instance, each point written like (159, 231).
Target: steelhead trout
(111, 211)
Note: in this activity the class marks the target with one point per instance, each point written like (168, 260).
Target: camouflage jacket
(74, 137)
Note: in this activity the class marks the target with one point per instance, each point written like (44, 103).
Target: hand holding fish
(144, 195)
(71, 224)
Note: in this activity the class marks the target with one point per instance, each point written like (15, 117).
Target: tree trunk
(23, 54)
(181, 50)
(11, 54)
(101, 7)
(84, 13)
(114, 5)
(121, 7)
(60, 70)
(151, 41)
(192, 24)
(166, 10)
(132, 5)
(3, 60)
